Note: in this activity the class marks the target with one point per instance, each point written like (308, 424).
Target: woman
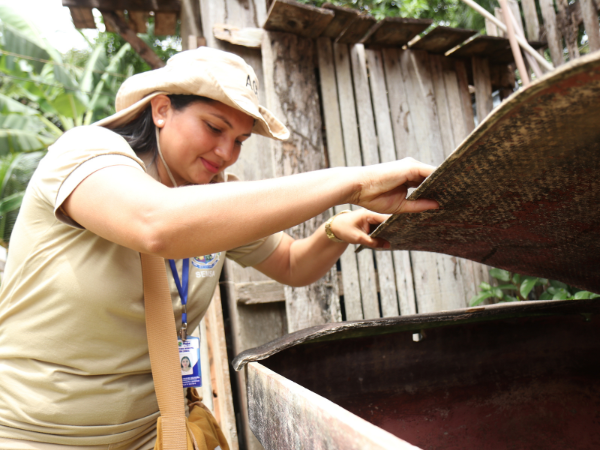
(74, 366)
(186, 365)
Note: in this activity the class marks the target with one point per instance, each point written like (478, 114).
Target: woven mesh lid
(522, 192)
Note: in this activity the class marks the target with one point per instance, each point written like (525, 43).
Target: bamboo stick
(514, 45)
(528, 48)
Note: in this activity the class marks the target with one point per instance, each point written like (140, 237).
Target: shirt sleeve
(255, 252)
(75, 156)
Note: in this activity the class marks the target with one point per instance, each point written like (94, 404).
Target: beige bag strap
(164, 352)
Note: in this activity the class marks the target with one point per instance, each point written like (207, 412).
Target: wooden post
(483, 87)
(514, 45)
(292, 95)
(191, 28)
(553, 34)
(569, 30)
(219, 369)
(590, 22)
(532, 23)
(142, 49)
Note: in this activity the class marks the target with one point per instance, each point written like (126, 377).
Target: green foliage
(452, 13)
(515, 287)
(43, 94)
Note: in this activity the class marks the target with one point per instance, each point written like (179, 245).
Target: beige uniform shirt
(74, 365)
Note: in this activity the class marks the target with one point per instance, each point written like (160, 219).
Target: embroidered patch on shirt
(206, 261)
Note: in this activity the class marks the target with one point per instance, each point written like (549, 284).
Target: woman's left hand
(354, 228)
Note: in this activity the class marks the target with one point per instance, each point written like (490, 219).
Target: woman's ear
(161, 107)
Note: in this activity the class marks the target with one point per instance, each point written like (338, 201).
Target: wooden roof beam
(292, 17)
(113, 20)
(133, 5)
(82, 17)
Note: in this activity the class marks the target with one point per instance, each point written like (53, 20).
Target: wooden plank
(402, 118)
(404, 283)
(329, 99)
(483, 88)
(396, 31)
(219, 368)
(441, 39)
(192, 35)
(532, 23)
(255, 292)
(347, 105)
(590, 22)
(465, 96)
(207, 390)
(491, 29)
(385, 140)
(247, 37)
(453, 96)
(365, 265)
(441, 100)
(82, 17)
(368, 141)
(342, 20)
(553, 34)
(165, 24)
(482, 46)
(292, 95)
(416, 70)
(128, 5)
(138, 21)
(406, 145)
(335, 152)
(293, 17)
(357, 30)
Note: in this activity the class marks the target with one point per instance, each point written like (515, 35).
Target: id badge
(189, 357)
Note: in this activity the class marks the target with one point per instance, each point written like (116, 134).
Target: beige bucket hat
(205, 72)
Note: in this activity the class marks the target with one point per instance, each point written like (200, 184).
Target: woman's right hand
(383, 187)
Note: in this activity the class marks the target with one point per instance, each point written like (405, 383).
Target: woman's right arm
(127, 207)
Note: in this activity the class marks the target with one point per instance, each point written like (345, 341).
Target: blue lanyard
(182, 288)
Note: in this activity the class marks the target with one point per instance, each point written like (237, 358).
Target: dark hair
(140, 134)
(189, 362)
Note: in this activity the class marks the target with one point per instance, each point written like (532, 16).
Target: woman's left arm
(304, 261)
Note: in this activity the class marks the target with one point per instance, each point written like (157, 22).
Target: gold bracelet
(328, 231)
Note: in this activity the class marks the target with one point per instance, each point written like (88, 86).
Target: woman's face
(185, 363)
(200, 140)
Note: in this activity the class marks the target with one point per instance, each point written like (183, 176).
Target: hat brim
(266, 124)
